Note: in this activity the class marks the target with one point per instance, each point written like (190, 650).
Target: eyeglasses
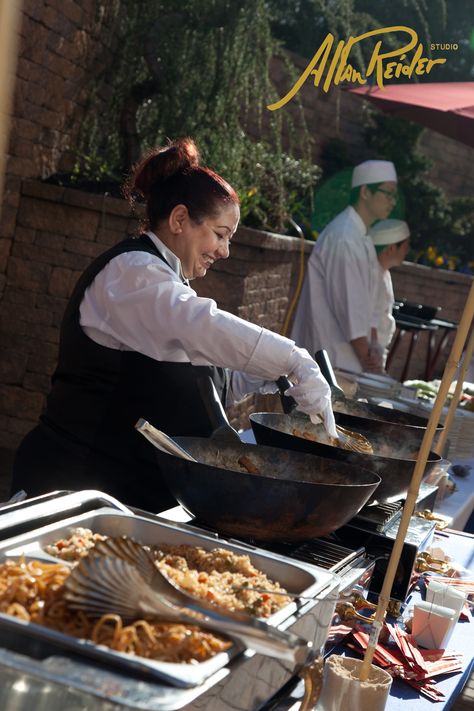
(391, 195)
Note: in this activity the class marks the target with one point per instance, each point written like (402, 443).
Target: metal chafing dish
(35, 660)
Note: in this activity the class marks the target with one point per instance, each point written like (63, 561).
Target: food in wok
(293, 497)
(345, 443)
(395, 448)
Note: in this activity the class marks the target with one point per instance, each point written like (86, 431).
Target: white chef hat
(387, 232)
(373, 171)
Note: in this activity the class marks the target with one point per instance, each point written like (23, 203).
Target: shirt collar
(357, 219)
(171, 258)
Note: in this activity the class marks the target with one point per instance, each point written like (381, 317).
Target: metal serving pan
(296, 577)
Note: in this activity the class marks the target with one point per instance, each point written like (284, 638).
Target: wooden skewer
(457, 394)
(10, 18)
(409, 507)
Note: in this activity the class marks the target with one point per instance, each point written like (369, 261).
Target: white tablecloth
(459, 505)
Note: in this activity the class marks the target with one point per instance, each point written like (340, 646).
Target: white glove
(268, 387)
(242, 384)
(312, 393)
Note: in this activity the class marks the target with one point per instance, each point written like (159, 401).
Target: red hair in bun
(171, 176)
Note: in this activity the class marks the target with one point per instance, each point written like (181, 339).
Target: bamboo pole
(457, 394)
(10, 15)
(409, 507)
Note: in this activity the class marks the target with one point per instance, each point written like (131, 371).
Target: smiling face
(200, 244)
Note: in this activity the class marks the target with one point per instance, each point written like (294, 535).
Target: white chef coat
(385, 299)
(139, 303)
(338, 298)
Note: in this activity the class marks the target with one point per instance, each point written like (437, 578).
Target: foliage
(445, 225)
(280, 187)
(304, 27)
(199, 68)
(432, 258)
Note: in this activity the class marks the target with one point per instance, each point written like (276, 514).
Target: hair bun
(179, 155)
(187, 151)
(159, 164)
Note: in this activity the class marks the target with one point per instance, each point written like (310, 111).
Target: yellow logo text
(382, 65)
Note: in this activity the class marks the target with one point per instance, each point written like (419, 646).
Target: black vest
(99, 393)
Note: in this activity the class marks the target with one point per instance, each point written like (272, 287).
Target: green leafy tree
(303, 26)
(200, 68)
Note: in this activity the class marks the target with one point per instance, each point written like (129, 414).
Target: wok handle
(214, 407)
(288, 403)
(322, 359)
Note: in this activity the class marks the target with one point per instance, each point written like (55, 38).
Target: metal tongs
(120, 576)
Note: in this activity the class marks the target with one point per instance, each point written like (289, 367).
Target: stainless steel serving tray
(296, 577)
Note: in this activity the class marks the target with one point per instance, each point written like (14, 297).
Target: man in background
(391, 239)
(337, 309)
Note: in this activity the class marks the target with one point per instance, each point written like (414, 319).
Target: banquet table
(459, 505)
(459, 546)
(413, 326)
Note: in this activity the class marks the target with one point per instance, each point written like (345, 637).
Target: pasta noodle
(33, 591)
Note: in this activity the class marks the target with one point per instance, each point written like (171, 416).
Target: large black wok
(352, 414)
(295, 497)
(395, 448)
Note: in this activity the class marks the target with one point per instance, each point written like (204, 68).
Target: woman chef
(135, 337)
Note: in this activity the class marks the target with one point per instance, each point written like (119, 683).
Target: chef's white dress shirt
(139, 303)
(385, 299)
(338, 298)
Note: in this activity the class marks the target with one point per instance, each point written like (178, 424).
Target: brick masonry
(63, 45)
(58, 232)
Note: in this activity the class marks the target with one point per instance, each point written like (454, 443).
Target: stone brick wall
(64, 46)
(57, 233)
